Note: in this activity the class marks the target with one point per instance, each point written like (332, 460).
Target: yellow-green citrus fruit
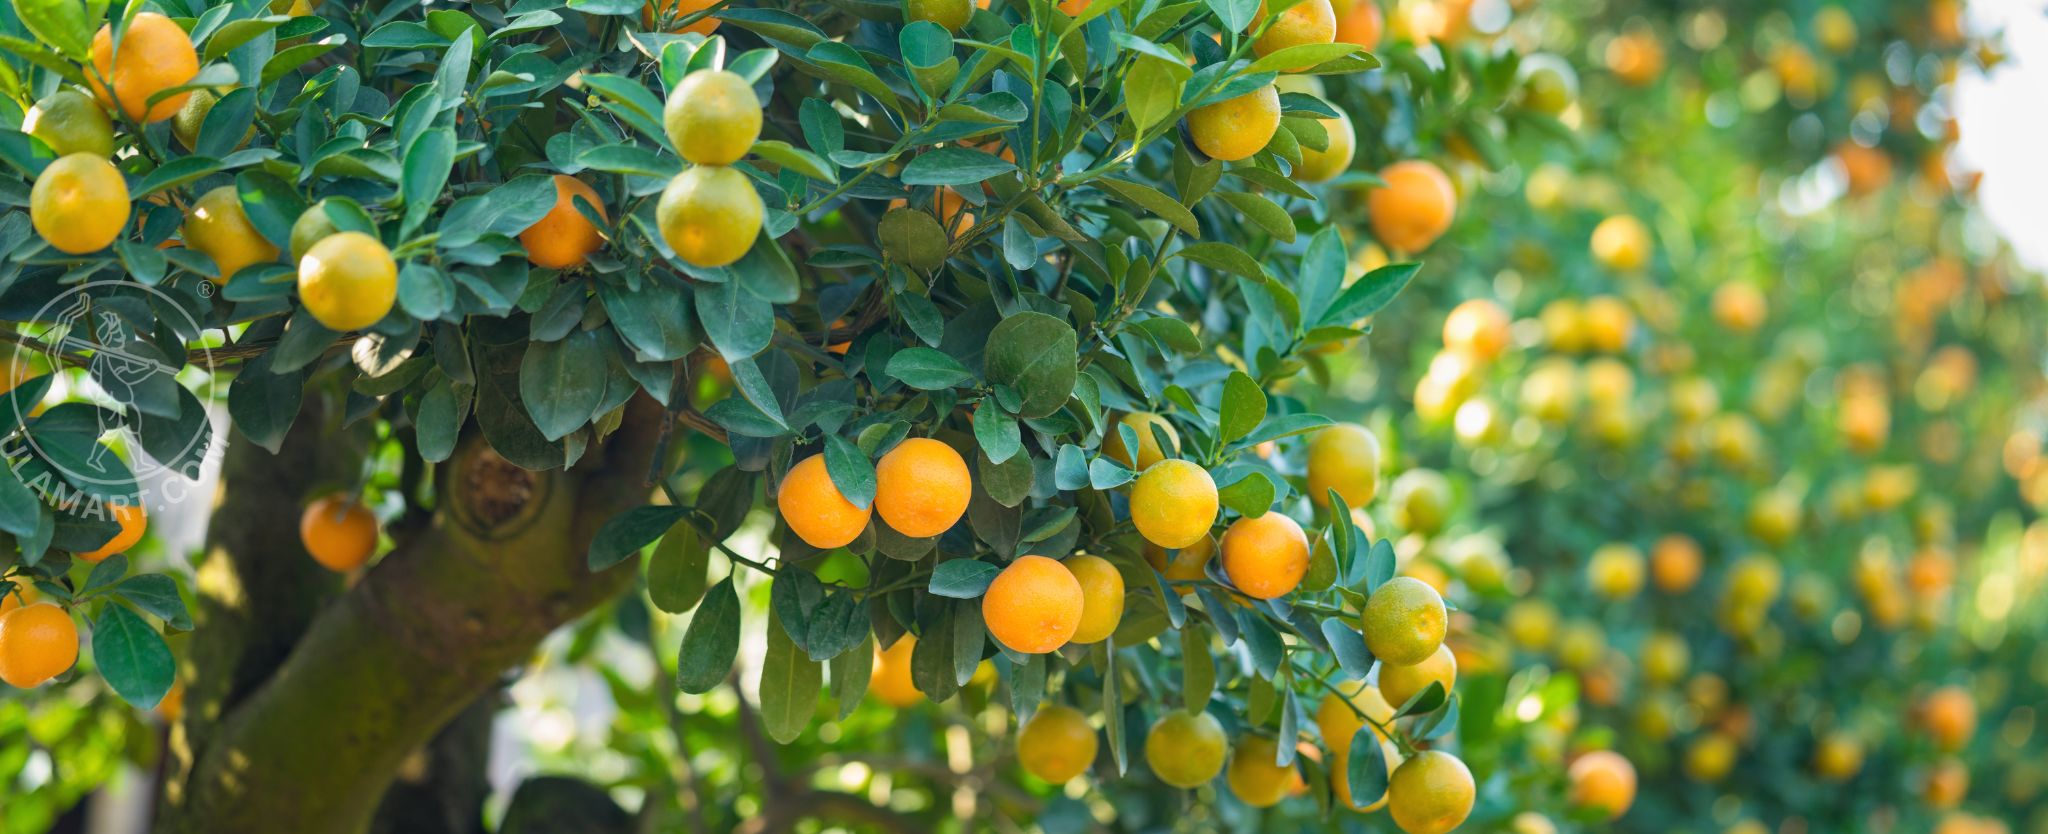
(70, 122)
(709, 215)
(348, 281)
(218, 227)
(1102, 597)
(313, 225)
(1344, 457)
(1431, 793)
(1236, 128)
(1254, 776)
(1422, 501)
(1056, 744)
(1306, 22)
(1186, 750)
(1401, 683)
(1149, 452)
(1602, 780)
(1404, 621)
(713, 117)
(1174, 503)
(951, 14)
(1335, 158)
(79, 203)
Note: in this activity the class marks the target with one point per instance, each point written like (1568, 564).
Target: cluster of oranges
(710, 214)
(38, 640)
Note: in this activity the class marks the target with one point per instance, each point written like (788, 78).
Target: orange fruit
(1361, 22)
(1034, 606)
(1615, 570)
(37, 642)
(1946, 783)
(1637, 57)
(1149, 451)
(1949, 716)
(1602, 780)
(79, 203)
(675, 10)
(339, 532)
(1415, 207)
(1838, 757)
(1477, 328)
(218, 227)
(1186, 564)
(1265, 557)
(1174, 503)
(1326, 164)
(1431, 793)
(1404, 621)
(348, 281)
(1865, 169)
(18, 594)
(1057, 744)
(1739, 306)
(951, 14)
(1610, 324)
(713, 117)
(1306, 22)
(1422, 501)
(1102, 597)
(890, 679)
(70, 122)
(1344, 457)
(922, 487)
(1709, 758)
(1254, 776)
(1236, 128)
(1186, 750)
(155, 56)
(1398, 684)
(564, 238)
(815, 509)
(133, 522)
(710, 215)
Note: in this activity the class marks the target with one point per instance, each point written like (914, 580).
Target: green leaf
(797, 159)
(563, 382)
(1155, 201)
(427, 164)
(998, 434)
(1198, 667)
(1225, 258)
(851, 470)
(1366, 772)
(1037, 355)
(677, 571)
(739, 323)
(1301, 56)
(927, 369)
(962, 578)
(849, 672)
(954, 166)
(132, 657)
(627, 532)
(1250, 495)
(1244, 406)
(234, 33)
(1370, 294)
(1152, 88)
(1349, 647)
(271, 204)
(20, 512)
(63, 24)
(711, 641)
(1268, 214)
(177, 172)
(789, 686)
(157, 595)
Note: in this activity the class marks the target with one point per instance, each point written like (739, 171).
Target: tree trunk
(316, 740)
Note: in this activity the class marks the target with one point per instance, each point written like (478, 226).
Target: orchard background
(1071, 416)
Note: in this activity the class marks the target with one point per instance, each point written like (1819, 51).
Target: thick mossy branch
(425, 632)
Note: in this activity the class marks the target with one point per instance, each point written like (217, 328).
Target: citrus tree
(924, 351)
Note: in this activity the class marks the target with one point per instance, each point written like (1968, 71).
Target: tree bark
(426, 632)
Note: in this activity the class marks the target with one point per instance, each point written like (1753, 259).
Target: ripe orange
(70, 122)
(564, 238)
(713, 117)
(133, 522)
(1839, 756)
(79, 203)
(1236, 128)
(675, 10)
(1740, 307)
(890, 679)
(1615, 570)
(1621, 243)
(1477, 328)
(1865, 169)
(1265, 557)
(1361, 22)
(348, 281)
(1034, 606)
(1306, 22)
(922, 487)
(218, 227)
(1404, 621)
(1666, 656)
(1339, 723)
(1610, 324)
(1186, 750)
(1431, 793)
(1102, 597)
(1057, 744)
(1422, 501)
(1187, 564)
(16, 595)
(155, 56)
(1946, 783)
(1603, 780)
(1398, 684)
(1950, 717)
(814, 508)
(1415, 208)
(1344, 457)
(1637, 57)
(1174, 503)
(1149, 452)
(37, 642)
(1675, 563)
(709, 215)
(1531, 624)
(1254, 777)
(339, 532)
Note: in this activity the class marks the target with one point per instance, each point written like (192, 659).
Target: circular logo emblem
(131, 387)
